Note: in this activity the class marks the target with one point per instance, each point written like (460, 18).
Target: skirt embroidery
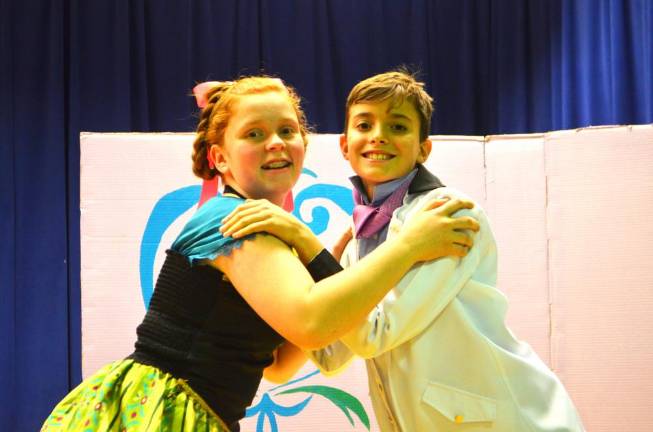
(128, 397)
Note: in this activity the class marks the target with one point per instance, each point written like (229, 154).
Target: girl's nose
(275, 143)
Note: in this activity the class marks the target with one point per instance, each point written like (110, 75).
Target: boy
(438, 353)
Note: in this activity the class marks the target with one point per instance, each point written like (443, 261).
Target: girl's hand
(255, 216)
(433, 232)
(260, 215)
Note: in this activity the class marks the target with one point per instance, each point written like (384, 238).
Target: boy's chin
(373, 177)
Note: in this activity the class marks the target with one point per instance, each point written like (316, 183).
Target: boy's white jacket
(439, 355)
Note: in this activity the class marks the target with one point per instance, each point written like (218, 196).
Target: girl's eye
(288, 131)
(255, 134)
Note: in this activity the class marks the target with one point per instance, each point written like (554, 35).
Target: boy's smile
(382, 141)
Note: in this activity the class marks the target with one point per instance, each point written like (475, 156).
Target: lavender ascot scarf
(369, 219)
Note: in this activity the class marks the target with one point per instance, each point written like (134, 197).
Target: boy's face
(382, 141)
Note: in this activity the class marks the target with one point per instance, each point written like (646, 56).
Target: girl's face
(263, 150)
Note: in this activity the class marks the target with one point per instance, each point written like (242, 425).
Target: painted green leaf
(339, 398)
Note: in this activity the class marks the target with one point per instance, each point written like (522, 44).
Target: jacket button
(458, 419)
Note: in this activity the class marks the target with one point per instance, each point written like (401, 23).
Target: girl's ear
(216, 155)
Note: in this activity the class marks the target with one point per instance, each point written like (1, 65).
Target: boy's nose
(377, 135)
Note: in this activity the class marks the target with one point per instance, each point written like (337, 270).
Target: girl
(227, 311)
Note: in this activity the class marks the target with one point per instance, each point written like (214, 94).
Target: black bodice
(198, 328)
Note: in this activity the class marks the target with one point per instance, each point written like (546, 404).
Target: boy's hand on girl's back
(339, 246)
(434, 232)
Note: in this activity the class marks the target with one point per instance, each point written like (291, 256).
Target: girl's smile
(263, 150)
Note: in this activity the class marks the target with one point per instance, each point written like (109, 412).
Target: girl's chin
(281, 180)
(275, 193)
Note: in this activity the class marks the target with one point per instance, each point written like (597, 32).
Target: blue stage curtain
(34, 290)
(493, 66)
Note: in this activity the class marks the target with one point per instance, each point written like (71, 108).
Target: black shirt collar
(424, 181)
(229, 190)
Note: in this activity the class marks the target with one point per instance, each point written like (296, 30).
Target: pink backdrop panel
(516, 205)
(459, 162)
(571, 212)
(124, 176)
(599, 213)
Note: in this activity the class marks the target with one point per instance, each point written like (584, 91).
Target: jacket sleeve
(421, 296)
(331, 359)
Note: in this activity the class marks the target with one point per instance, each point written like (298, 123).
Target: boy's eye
(399, 127)
(363, 126)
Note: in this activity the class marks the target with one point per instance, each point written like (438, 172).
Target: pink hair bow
(209, 187)
(200, 91)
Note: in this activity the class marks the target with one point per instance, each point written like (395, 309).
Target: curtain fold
(66, 66)
(34, 288)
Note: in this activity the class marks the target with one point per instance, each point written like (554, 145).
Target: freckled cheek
(250, 156)
(298, 153)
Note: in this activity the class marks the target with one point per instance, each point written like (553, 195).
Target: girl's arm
(310, 315)
(262, 216)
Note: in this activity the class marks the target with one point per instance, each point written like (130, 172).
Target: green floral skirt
(128, 396)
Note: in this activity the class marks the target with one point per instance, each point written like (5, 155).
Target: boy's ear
(424, 150)
(344, 146)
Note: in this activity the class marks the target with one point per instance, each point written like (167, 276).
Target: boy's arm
(425, 291)
(332, 359)
(288, 359)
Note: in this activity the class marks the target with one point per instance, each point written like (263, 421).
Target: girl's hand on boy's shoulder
(254, 216)
(444, 233)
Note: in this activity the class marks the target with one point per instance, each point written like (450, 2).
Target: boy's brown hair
(399, 85)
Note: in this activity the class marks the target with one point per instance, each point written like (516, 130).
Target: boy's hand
(434, 232)
(339, 246)
(262, 216)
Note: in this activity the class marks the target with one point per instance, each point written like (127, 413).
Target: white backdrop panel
(571, 212)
